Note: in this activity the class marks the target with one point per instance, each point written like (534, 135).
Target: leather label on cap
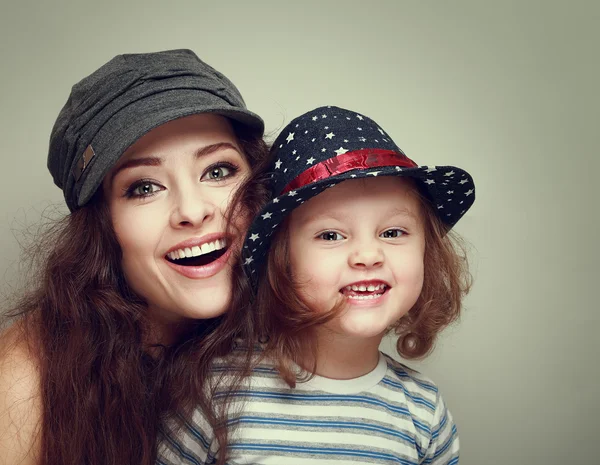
(83, 162)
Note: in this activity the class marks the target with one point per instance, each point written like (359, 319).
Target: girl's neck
(342, 357)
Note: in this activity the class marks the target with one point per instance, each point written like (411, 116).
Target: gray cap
(123, 100)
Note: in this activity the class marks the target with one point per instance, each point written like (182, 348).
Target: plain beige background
(506, 90)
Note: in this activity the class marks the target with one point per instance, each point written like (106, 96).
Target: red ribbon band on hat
(356, 160)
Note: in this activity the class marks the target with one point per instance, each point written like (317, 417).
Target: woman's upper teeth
(197, 250)
(365, 287)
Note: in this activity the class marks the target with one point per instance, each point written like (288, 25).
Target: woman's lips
(202, 271)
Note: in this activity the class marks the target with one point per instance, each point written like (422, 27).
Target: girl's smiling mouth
(365, 290)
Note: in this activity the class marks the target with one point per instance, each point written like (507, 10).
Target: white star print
(469, 192)
(449, 173)
(248, 261)
(374, 173)
(323, 116)
(310, 161)
(463, 181)
(315, 118)
(429, 181)
(278, 164)
(254, 237)
(313, 139)
(362, 139)
(329, 135)
(440, 207)
(292, 193)
(381, 131)
(275, 200)
(450, 192)
(341, 151)
(290, 137)
(352, 175)
(293, 152)
(431, 169)
(360, 129)
(398, 168)
(359, 117)
(267, 216)
(323, 149)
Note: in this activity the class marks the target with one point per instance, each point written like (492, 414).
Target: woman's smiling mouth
(198, 255)
(199, 258)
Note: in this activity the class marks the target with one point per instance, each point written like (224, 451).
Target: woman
(131, 302)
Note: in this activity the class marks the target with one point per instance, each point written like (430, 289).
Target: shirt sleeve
(444, 445)
(192, 444)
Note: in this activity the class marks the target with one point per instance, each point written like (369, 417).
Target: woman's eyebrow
(215, 148)
(157, 161)
(145, 161)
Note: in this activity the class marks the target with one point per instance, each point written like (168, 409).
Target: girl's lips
(204, 271)
(365, 293)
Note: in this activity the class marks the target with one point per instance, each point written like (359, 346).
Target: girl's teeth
(363, 287)
(364, 297)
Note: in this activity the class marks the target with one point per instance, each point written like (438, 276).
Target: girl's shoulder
(20, 400)
(409, 377)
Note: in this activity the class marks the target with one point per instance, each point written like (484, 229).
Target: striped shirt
(392, 415)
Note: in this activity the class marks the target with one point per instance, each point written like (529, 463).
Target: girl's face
(168, 196)
(362, 243)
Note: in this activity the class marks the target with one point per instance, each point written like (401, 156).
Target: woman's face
(168, 196)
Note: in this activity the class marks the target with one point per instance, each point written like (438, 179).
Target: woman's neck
(342, 357)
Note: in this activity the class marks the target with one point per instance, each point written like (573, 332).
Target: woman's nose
(192, 208)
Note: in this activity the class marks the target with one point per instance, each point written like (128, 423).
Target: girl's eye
(331, 236)
(143, 189)
(219, 172)
(392, 233)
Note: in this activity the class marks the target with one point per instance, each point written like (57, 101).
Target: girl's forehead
(394, 194)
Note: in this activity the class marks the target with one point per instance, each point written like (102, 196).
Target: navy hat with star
(328, 145)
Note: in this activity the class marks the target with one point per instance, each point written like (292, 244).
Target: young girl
(354, 244)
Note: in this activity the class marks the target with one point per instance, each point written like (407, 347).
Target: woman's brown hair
(289, 324)
(106, 396)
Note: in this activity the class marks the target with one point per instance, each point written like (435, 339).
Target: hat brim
(140, 117)
(450, 190)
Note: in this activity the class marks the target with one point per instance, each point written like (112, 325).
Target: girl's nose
(366, 254)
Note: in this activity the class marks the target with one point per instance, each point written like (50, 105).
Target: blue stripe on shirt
(322, 451)
(323, 424)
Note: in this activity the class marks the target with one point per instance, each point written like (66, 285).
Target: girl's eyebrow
(404, 212)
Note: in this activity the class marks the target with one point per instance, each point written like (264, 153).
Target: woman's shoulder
(20, 401)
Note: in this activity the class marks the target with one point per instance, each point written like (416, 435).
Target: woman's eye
(331, 236)
(218, 172)
(143, 189)
(392, 233)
